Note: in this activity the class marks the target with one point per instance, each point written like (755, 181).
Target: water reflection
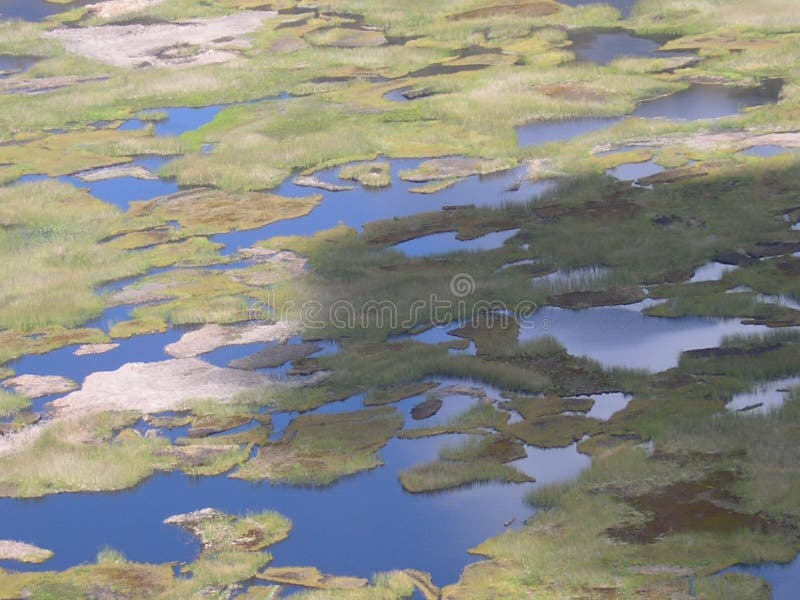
(764, 397)
(620, 337)
(442, 243)
(783, 579)
(767, 150)
(605, 47)
(635, 171)
(11, 64)
(359, 206)
(708, 101)
(381, 526)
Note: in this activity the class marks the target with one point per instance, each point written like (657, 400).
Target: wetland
(351, 300)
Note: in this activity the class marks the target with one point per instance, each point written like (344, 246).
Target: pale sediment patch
(709, 141)
(271, 266)
(276, 356)
(111, 9)
(191, 42)
(315, 182)
(156, 387)
(15, 441)
(91, 349)
(135, 171)
(22, 552)
(213, 336)
(151, 291)
(290, 261)
(38, 386)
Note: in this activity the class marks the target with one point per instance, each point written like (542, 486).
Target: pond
(764, 397)
(708, 101)
(605, 47)
(622, 336)
(381, 526)
(635, 171)
(443, 243)
(767, 151)
(700, 101)
(783, 578)
(12, 64)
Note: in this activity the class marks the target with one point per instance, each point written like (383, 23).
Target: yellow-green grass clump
(220, 532)
(50, 260)
(372, 174)
(11, 404)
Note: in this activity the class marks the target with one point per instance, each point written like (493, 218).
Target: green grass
(444, 475)
(11, 404)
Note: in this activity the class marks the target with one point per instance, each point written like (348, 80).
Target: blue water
(635, 171)
(121, 191)
(35, 10)
(704, 101)
(767, 151)
(182, 119)
(141, 348)
(397, 95)
(14, 64)
(178, 121)
(784, 579)
(605, 47)
(543, 132)
(359, 206)
(359, 526)
(442, 243)
(625, 337)
(700, 101)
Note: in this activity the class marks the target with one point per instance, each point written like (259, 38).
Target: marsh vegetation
(624, 171)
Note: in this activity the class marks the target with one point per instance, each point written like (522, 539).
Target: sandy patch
(271, 266)
(189, 43)
(315, 182)
(111, 9)
(22, 552)
(275, 356)
(139, 293)
(213, 336)
(14, 441)
(38, 386)
(104, 173)
(156, 387)
(91, 349)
